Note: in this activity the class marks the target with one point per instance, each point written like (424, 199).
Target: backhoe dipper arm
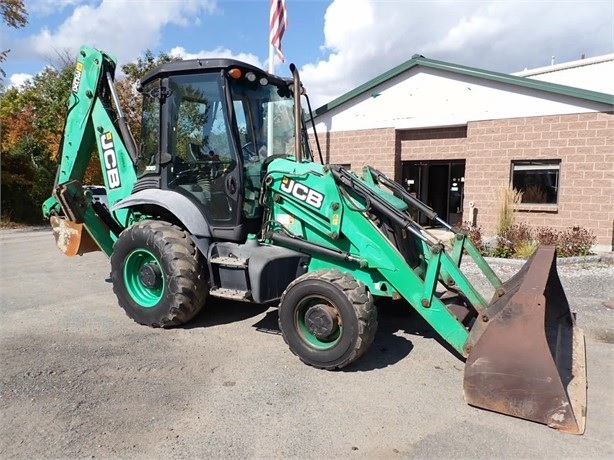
(92, 122)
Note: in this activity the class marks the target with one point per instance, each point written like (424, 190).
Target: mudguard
(178, 205)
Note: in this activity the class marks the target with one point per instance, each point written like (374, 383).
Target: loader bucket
(71, 238)
(527, 357)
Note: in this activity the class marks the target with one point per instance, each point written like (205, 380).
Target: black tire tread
(187, 285)
(362, 301)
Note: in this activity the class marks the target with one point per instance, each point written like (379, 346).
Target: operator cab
(208, 125)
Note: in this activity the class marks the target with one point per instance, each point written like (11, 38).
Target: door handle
(231, 185)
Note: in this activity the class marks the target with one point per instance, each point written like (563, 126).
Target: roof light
(251, 76)
(264, 81)
(235, 73)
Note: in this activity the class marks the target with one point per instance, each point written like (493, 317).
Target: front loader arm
(92, 122)
(524, 353)
(330, 214)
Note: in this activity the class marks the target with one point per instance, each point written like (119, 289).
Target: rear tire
(158, 274)
(327, 318)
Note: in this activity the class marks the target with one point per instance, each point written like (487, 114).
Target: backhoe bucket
(527, 356)
(71, 238)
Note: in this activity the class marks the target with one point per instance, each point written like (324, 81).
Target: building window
(537, 180)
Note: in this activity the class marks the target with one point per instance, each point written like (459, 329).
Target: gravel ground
(80, 380)
(588, 283)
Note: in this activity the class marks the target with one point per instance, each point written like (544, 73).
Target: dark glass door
(440, 184)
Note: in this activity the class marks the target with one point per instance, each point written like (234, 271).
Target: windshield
(265, 118)
(264, 113)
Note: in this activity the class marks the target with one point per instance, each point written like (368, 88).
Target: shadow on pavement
(221, 311)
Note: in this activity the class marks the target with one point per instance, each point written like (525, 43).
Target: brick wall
(375, 147)
(583, 142)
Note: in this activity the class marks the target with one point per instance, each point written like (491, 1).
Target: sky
(336, 45)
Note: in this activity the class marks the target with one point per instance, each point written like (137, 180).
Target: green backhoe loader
(222, 197)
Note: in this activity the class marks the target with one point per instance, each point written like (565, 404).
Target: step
(229, 261)
(233, 294)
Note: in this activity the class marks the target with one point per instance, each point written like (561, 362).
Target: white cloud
(365, 38)
(125, 26)
(19, 79)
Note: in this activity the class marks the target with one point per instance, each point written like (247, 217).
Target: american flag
(278, 23)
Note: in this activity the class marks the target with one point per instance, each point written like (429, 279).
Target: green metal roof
(418, 60)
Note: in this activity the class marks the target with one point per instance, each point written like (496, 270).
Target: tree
(32, 119)
(14, 15)
(129, 98)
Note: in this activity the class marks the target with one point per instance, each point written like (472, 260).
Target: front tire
(158, 274)
(327, 318)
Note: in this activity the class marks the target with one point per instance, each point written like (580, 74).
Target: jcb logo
(110, 160)
(76, 81)
(302, 192)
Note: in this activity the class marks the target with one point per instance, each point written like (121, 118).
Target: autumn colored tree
(33, 117)
(130, 99)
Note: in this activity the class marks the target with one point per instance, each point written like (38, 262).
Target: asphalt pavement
(79, 379)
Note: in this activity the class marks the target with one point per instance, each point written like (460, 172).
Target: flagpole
(269, 143)
(278, 21)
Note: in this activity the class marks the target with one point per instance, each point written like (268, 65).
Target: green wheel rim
(306, 334)
(145, 296)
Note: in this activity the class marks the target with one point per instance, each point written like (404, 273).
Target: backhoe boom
(92, 123)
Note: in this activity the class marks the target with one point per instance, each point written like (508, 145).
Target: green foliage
(26, 180)
(32, 119)
(130, 99)
(134, 71)
(524, 250)
(504, 249)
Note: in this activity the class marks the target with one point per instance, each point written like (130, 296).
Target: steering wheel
(252, 152)
(248, 150)
(180, 176)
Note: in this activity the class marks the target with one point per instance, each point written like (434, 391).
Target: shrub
(519, 233)
(503, 249)
(546, 236)
(520, 241)
(473, 233)
(575, 241)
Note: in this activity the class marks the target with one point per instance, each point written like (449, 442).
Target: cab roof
(199, 65)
